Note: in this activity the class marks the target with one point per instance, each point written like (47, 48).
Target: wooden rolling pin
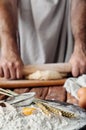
(60, 67)
(30, 83)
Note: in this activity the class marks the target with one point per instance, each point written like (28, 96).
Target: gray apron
(45, 31)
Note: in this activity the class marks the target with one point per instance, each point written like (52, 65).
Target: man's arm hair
(78, 20)
(7, 20)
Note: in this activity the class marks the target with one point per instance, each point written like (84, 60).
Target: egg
(82, 97)
(27, 111)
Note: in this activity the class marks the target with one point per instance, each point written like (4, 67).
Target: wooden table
(48, 92)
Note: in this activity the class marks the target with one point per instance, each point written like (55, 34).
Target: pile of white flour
(12, 119)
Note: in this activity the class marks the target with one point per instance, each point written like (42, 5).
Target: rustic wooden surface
(48, 92)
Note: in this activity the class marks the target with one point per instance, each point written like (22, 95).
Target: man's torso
(45, 31)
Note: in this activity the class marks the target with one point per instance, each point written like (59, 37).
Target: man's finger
(6, 72)
(83, 69)
(1, 72)
(12, 71)
(18, 73)
(75, 70)
(18, 70)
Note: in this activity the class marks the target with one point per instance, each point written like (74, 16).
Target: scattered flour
(12, 119)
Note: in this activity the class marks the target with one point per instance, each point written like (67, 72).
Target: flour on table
(46, 75)
(12, 119)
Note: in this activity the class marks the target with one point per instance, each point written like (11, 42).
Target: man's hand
(78, 24)
(78, 60)
(11, 66)
(10, 62)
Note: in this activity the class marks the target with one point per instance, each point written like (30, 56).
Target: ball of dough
(46, 75)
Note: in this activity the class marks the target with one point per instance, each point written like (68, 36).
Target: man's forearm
(7, 24)
(78, 20)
